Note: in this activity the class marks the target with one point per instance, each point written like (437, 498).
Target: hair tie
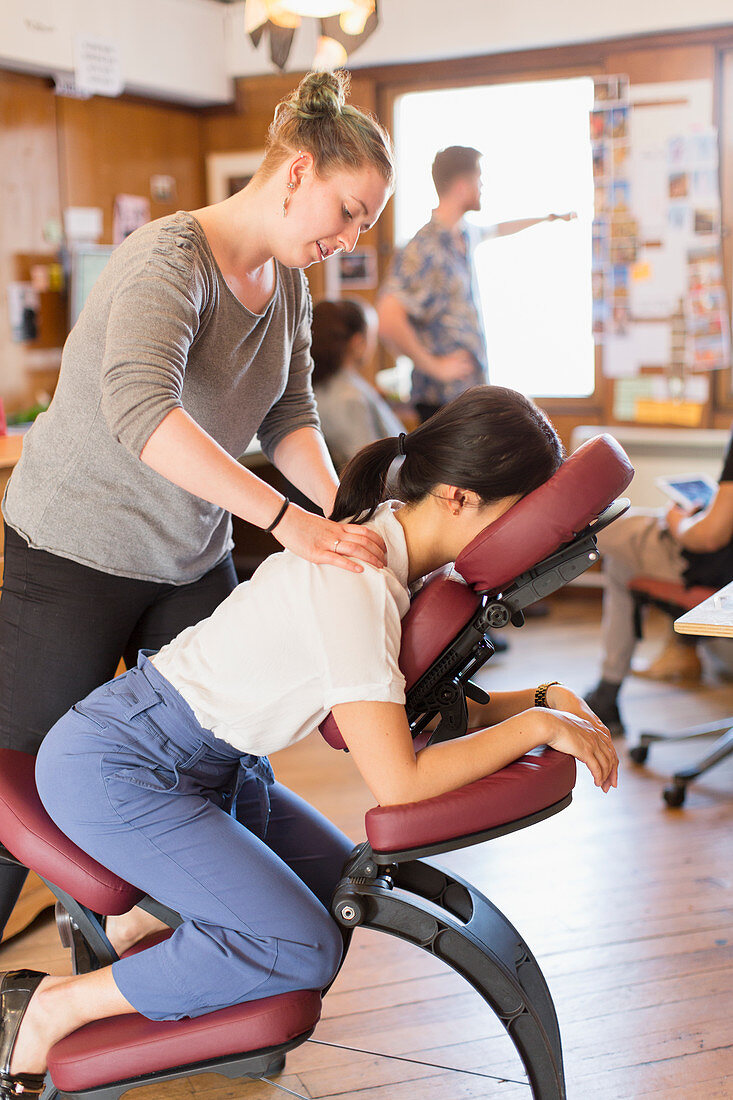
(401, 444)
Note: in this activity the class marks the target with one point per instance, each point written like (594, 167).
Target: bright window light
(535, 286)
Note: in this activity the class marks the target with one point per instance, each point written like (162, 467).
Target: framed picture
(358, 269)
(227, 173)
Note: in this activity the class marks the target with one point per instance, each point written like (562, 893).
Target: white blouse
(267, 667)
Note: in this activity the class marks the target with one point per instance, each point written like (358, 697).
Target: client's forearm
(452, 764)
(501, 705)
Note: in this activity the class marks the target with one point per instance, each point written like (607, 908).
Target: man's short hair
(450, 163)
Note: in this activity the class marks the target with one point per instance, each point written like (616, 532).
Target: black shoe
(16, 989)
(607, 712)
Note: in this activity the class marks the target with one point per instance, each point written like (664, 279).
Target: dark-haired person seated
(352, 412)
(162, 776)
(694, 549)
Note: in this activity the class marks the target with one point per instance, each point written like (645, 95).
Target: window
(535, 286)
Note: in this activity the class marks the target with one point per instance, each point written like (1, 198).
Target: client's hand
(576, 730)
(560, 697)
(320, 540)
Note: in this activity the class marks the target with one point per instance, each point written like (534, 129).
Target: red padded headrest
(540, 523)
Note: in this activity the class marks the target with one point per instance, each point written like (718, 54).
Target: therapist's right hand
(321, 540)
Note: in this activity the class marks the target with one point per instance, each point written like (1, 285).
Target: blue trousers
(131, 777)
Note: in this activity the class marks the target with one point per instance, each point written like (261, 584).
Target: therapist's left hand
(321, 540)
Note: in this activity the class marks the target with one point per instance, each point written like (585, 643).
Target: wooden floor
(627, 905)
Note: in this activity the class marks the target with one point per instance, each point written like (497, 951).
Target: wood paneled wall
(29, 197)
(57, 152)
(113, 146)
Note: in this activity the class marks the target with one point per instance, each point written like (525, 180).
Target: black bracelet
(278, 517)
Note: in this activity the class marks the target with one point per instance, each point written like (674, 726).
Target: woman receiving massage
(162, 775)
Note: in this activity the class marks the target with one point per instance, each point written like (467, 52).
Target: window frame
(663, 56)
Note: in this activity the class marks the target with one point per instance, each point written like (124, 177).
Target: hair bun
(321, 95)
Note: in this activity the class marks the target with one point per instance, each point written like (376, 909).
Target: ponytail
(364, 481)
(491, 440)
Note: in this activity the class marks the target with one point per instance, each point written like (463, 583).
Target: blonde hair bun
(320, 95)
(316, 118)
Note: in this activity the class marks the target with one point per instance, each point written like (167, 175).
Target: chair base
(260, 1064)
(675, 794)
(444, 915)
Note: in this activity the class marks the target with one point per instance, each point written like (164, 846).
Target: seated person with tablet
(692, 492)
(690, 543)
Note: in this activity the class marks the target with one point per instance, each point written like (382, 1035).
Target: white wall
(188, 50)
(421, 30)
(171, 49)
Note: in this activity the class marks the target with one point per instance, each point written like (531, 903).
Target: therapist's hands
(321, 540)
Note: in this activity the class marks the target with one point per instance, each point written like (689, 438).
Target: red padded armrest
(532, 783)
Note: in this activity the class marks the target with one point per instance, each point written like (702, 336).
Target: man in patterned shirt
(429, 308)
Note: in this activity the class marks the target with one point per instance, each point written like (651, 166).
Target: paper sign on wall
(98, 67)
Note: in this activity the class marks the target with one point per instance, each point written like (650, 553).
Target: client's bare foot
(42, 1026)
(128, 929)
(58, 1006)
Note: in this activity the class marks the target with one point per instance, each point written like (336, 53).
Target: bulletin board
(659, 303)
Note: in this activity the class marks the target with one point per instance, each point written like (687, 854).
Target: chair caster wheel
(639, 754)
(674, 796)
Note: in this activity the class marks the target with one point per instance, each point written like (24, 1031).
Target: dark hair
(317, 118)
(334, 324)
(450, 163)
(491, 440)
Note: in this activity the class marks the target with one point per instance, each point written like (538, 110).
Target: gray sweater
(160, 330)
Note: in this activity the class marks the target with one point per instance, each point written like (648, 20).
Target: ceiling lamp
(344, 25)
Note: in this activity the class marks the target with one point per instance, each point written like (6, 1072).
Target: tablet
(690, 491)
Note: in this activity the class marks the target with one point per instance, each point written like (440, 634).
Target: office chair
(675, 599)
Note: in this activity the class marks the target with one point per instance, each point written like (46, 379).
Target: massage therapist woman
(195, 338)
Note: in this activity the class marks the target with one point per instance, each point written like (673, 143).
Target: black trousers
(64, 628)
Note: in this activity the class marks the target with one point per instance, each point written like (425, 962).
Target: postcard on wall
(130, 212)
(358, 269)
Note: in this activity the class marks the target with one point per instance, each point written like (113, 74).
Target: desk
(712, 618)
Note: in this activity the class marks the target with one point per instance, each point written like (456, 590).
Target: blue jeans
(132, 778)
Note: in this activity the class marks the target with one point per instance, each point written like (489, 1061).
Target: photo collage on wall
(614, 228)
(659, 301)
(694, 213)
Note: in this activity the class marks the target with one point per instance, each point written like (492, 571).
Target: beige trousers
(637, 543)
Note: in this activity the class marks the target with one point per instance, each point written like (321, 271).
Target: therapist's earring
(286, 200)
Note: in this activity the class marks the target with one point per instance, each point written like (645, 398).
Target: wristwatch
(540, 693)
